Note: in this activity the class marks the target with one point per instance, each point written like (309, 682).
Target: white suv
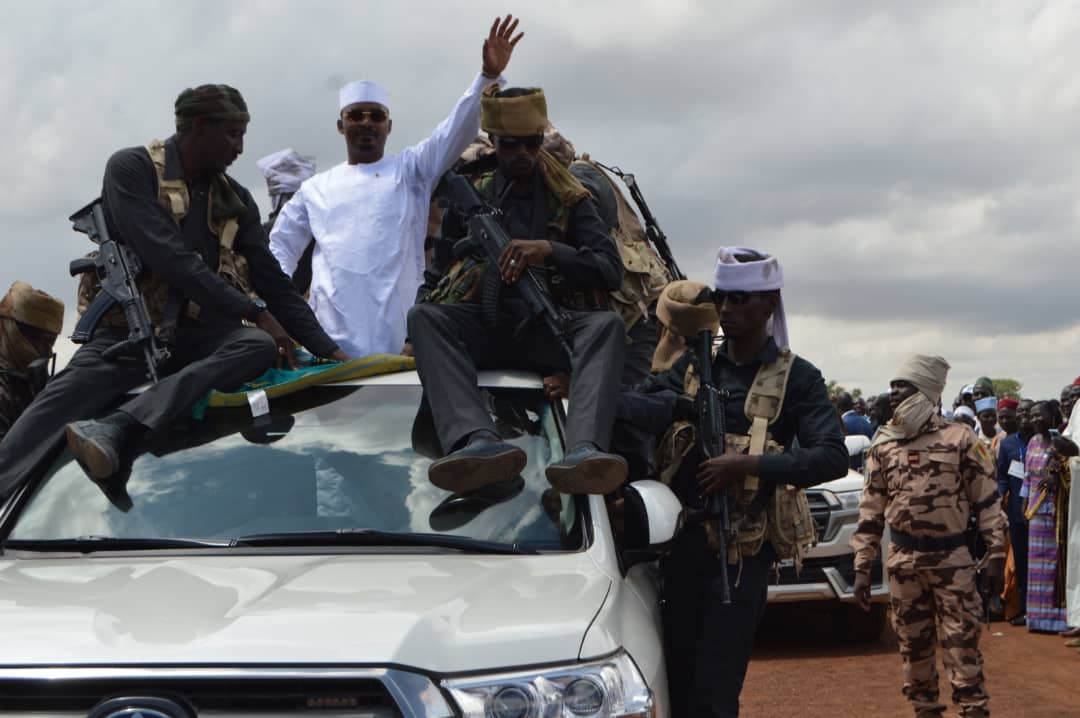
(301, 563)
(828, 570)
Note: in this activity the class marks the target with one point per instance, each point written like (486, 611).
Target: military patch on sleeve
(913, 457)
(979, 452)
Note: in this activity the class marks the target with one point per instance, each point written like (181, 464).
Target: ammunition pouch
(778, 514)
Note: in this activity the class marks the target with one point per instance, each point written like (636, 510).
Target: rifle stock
(711, 442)
(491, 237)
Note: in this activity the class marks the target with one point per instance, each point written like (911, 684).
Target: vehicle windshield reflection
(325, 459)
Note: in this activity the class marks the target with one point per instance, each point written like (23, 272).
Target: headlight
(609, 687)
(849, 499)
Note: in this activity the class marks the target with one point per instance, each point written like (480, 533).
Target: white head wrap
(963, 410)
(760, 273)
(284, 171)
(363, 91)
(987, 402)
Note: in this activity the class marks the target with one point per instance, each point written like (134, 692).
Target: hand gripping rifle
(487, 234)
(652, 228)
(710, 437)
(116, 267)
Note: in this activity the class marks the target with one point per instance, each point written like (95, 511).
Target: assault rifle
(710, 438)
(488, 235)
(116, 267)
(652, 228)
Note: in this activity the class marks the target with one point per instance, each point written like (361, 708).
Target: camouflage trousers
(934, 606)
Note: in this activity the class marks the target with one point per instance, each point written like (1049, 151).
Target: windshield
(326, 459)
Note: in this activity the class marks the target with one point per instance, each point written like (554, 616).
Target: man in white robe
(369, 215)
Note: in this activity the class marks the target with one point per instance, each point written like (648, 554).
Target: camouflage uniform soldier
(925, 477)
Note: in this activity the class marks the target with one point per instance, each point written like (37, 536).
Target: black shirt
(588, 259)
(808, 427)
(185, 257)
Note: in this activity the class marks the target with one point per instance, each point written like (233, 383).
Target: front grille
(820, 512)
(813, 571)
(366, 697)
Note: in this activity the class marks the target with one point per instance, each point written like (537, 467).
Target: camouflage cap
(686, 308)
(34, 307)
(558, 146)
(215, 102)
(521, 116)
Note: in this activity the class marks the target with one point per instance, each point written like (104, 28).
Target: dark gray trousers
(203, 357)
(451, 343)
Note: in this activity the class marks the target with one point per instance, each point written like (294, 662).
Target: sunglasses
(737, 299)
(357, 115)
(512, 143)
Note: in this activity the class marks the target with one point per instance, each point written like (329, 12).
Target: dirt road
(800, 669)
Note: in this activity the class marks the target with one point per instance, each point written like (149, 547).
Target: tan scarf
(558, 179)
(908, 419)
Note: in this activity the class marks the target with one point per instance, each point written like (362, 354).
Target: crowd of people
(357, 260)
(1031, 442)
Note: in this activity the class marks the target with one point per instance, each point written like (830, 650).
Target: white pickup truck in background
(828, 570)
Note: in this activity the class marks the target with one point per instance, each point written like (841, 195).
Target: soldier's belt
(926, 543)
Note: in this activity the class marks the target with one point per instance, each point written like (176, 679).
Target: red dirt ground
(801, 669)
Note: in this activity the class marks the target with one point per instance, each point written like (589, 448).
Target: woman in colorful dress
(1046, 489)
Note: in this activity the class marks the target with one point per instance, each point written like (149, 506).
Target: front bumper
(832, 581)
(828, 570)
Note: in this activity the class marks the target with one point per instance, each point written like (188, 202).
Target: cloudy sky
(914, 165)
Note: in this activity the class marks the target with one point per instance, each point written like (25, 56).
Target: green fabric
(282, 382)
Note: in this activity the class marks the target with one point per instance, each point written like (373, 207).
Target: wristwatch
(255, 308)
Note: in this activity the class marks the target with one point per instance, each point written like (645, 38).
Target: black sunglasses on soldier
(736, 298)
(512, 143)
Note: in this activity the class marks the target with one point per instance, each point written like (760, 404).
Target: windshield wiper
(373, 537)
(89, 544)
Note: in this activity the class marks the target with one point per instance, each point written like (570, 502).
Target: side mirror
(856, 444)
(652, 518)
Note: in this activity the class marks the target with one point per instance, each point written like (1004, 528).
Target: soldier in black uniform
(214, 350)
(708, 644)
(554, 230)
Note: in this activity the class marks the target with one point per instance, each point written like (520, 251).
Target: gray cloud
(913, 164)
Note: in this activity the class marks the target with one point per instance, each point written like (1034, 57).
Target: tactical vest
(784, 519)
(464, 279)
(645, 275)
(174, 197)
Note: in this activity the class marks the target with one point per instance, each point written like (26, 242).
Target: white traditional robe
(1072, 556)
(369, 222)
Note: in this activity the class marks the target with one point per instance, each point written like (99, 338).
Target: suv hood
(853, 481)
(439, 612)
